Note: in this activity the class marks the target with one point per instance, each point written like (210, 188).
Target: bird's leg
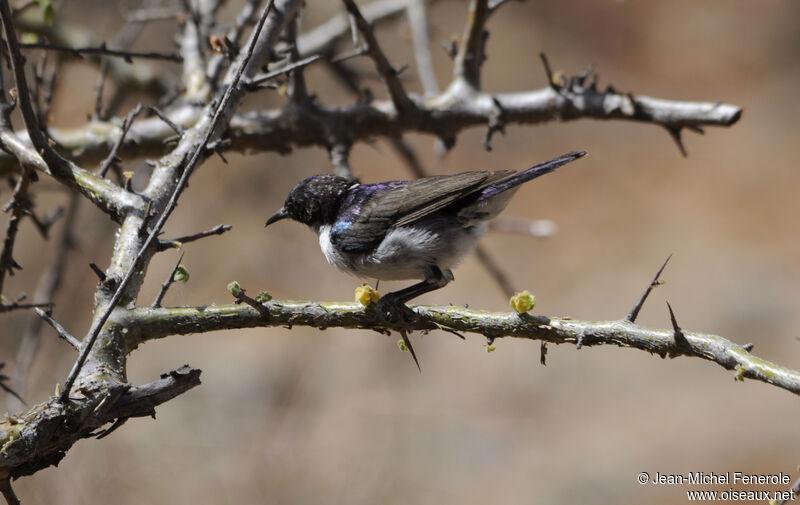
(392, 306)
(435, 280)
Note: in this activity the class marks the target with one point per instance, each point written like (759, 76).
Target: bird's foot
(395, 311)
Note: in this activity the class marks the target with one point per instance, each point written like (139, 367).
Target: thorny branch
(128, 56)
(17, 208)
(157, 323)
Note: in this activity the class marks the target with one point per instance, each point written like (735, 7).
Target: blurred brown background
(306, 417)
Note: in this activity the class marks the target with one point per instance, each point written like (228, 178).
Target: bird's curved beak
(281, 214)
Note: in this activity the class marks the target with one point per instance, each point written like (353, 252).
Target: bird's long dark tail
(535, 171)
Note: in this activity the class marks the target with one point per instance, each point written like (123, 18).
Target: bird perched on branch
(399, 230)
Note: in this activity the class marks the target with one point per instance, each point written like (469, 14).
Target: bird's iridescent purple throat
(399, 230)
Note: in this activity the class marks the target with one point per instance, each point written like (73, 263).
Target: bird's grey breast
(407, 252)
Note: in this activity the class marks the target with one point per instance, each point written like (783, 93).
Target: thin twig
(258, 80)
(241, 296)
(245, 17)
(176, 243)
(9, 390)
(400, 99)
(634, 313)
(166, 284)
(17, 208)
(163, 117)
(49, 284)
(298, 91)
(62, 332)
(322, 38)
(470, 54)
(156, 229)
(8, 307)
(128, 56)
(112, 158)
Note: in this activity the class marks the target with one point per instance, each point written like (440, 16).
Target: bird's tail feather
(535, 171)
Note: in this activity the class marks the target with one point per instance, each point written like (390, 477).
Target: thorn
(581, 78)
(680, 338)
(634, 313)
(543, 354)
(675, 133)
(98, 272)
(496, 123)
(748, 347)
(451, 48)
(549, 73)
(407, 342)
(696, 128)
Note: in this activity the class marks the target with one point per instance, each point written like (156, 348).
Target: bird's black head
(315, 201)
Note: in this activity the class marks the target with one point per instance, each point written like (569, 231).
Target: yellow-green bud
(367, 296)
(181, 274)
(263, 297)
(739, 373)
(402, 345)
(235, 289)
(523, 302)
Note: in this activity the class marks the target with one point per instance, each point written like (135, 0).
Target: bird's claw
(395, 312)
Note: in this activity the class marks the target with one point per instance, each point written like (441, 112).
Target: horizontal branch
(145, 324)
(456, 109)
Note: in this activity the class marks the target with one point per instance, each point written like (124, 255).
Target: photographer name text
(720, 478)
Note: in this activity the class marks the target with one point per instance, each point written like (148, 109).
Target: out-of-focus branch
(157, 323)
(298, 91)
(418, 21)
(140, 74)
(17, 208)
(399, 97)
(108, 197)
(48, 286)
(245, 17)
(322, 38)
(470, 55)
(539, 228)
(127, 56)
(195, 81)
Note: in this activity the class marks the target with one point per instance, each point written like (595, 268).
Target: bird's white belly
(406, 253)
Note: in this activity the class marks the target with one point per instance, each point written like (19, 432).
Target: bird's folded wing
(404, 205)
